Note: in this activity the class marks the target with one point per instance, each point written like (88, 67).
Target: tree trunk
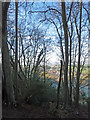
(66, 54)
(70, 74)
(78, 69)
(44, 60)
(58, 89)
(16, 51)
(5, 55)
(70, 36)
(44, 69)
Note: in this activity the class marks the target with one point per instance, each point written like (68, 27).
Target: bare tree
(58, 89)
(79, 50)
(65, 27)
(70, 36)
(16, 52)
(5, 55)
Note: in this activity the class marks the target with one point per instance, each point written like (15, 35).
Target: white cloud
(28, 37)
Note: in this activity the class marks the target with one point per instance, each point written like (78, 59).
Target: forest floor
(33, 111)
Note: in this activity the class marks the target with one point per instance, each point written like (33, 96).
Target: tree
(44, 66)
(79, 50)
(16, 53)
(58, 89)
(65, 27)
(5, 55)
(70, 36)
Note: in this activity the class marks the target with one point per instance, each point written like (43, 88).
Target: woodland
(45, 59)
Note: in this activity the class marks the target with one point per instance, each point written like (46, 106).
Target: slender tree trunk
(70, 74)
(58, 89)
(16, 51)
(5, 54)
(74, 56)
(44, 70)
(44, 61)
(66, 54)
(19, 52)
(78, 69)
(70, 36)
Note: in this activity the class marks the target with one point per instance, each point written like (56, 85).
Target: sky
(34, 19)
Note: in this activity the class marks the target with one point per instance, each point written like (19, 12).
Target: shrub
(40, 93)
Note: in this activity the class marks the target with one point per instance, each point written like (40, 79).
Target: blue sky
(33, 20)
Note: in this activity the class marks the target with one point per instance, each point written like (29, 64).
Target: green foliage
(40, 93)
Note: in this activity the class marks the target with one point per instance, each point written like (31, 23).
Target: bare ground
(33, 111)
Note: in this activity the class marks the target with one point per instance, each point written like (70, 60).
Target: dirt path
(32, 111)
(27, 111)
